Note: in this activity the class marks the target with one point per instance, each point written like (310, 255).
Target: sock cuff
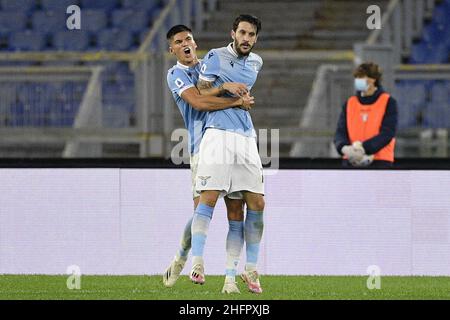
(204, 210)
(235, 225)
(254, 214)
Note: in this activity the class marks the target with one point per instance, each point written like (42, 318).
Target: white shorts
(196, 193)
(229, 162)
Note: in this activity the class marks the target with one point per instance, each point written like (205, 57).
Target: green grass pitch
(31, 287)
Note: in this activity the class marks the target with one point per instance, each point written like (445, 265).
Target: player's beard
(238, 49)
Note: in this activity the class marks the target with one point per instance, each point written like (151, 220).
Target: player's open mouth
(245, 46)
(187, 51)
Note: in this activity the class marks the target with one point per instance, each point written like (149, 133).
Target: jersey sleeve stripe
(206, 78)
(185, 88)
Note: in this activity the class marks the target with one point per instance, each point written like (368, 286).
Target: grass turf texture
(31, 287)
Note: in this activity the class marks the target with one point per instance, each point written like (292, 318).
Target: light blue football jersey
(180, 78)
(224, 65)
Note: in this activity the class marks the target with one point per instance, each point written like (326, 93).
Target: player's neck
(190, 63)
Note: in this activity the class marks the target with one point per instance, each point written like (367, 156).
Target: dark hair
(369, 69)
(247, 18)
(177, 29)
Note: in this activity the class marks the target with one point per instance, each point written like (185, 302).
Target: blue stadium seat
(27, 41)
(17, 5)
(114, 39)
(106, 5)
(432, 34)
(71, 40)
(57, 5)
(411, 100)
(419, 53)
(130, 20)
(65, 103)
(16, 114)
(94, 20)
(441, 13)
(12, 21)
(440, 92)
(141, 4)
(118, 102)
(33, 106)
(437, 115)
(49, 21)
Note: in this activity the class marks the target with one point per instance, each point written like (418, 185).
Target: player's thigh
(209, 197)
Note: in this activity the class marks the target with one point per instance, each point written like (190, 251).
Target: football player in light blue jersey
(229, 160)
(193, 105)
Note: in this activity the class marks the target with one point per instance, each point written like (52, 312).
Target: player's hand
(354, 152)
(247, 102)
(235, 88)
(365, 161)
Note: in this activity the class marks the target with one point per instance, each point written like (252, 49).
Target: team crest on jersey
(364, 117)
(204, 179)
(232, 63)
(210, 55)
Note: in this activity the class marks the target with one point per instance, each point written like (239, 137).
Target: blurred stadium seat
(437, 115)
(114, 39)
(440, 91)
(12, 21)
(94, 20)
(106, 5)
(434, 46)
(411, 99)
(17, 5)
(57, 5)
(147, 5)
(49, 21)
(71, 40)
(131, 20)
(27, 40)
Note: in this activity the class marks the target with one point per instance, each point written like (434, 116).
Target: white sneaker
(172, 272)
(198, 274)
(230, 287)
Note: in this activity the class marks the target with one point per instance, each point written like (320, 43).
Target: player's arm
(235, 88)
(209, 72)
(202, 102)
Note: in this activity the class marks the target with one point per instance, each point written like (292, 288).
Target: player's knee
(235, 209)
(236, 215)
(258, 204)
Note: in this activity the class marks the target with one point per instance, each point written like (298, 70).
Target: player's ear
(170, 50)
(233, 35)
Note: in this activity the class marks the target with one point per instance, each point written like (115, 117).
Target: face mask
(361, 84)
